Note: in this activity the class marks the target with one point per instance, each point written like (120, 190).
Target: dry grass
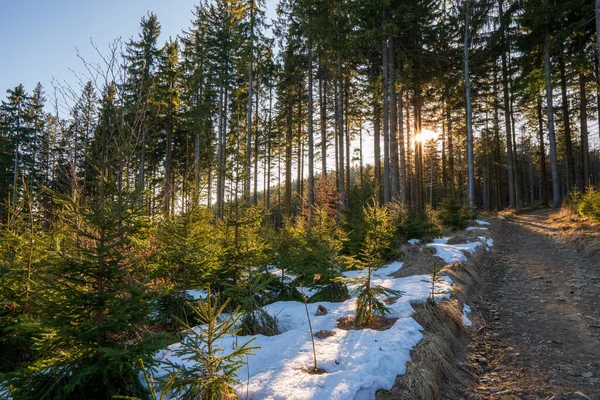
(577, 231)
(462, 237)
(432, 364)
(417, 261)
(444, 337)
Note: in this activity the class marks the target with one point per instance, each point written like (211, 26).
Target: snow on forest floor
(358, 362)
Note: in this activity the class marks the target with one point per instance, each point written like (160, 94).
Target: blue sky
(39, 38)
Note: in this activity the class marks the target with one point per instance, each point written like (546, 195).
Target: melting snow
(480, 222)
(472, 228)
(358, 362)
(414, 241)
(464, 318)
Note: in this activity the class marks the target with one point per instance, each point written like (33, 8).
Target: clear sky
(39, 38)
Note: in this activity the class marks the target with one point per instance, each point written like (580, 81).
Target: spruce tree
(94, 298)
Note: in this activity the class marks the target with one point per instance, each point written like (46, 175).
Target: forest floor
(536, 321)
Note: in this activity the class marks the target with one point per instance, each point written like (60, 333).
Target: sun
(426, 135)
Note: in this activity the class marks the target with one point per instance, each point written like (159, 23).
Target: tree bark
(393, 113)
(567, 124)
(311, 155)
(551, 134)
(509, 145)
(340, 116)
(377, 149)
(323, 123)
(403, 194)
(386, 131)
(543, 172)
(585, 157)
(471, 182)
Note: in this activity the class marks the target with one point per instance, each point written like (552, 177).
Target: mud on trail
(536, 320)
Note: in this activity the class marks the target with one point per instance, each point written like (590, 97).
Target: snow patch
(480, 222)
(464, 318)
(472, 228)
(358, 362)
(414, 241)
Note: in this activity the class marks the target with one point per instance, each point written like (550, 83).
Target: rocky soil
(536, 331)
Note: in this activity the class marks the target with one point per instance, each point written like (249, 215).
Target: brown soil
(378, 324)
(536, 332)
(324, 334)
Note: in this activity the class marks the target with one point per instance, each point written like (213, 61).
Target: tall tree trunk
(16, 162)
(419, 203)
(300, 154)
(598, 58)
(497, 146)
(168, 170)
(288, 162)
(450, 150)
(386, 130)
(551, 134)
(509, 145)
(444, 153)
(269, 136)
(471, 167)
(323, 123)
(221, 155)
(311, 156)
(256, 145)
(393, 113)
(347, 130)
(403, 194)
(340, 123)
(248, 161)
(585, 157)
(409, 148)
(142, 166)
(516, 168)
(543, 173)
(567, 124)
(377, 149)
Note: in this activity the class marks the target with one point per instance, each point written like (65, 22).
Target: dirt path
(537, 322)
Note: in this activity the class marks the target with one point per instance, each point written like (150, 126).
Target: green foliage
(246, 254)
(421, 225)
(590, 204)
(379, 223)
(434, 279)
(93, 294)
(186, 256)
(212, 373)
(157, 389)
(21, 246)
(354, 222)
(311, 250)
(453, 213)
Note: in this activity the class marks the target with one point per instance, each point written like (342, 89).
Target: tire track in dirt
(537, 322)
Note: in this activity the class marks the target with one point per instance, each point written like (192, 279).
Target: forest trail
(537, 319)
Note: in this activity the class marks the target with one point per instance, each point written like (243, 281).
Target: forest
(319, 141)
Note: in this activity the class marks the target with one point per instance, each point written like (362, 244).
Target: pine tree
(213, 371)
(142, 57)
(379, 233)
(93, 294)
(15, 128)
